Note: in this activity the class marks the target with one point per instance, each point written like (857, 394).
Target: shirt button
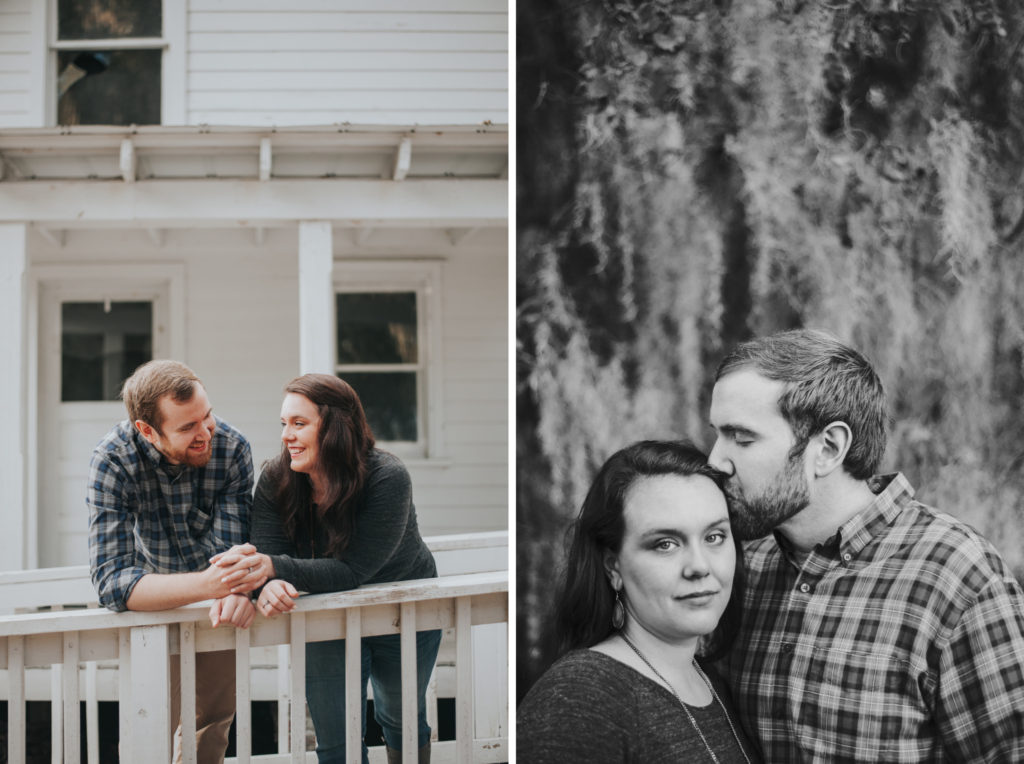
(805, 587)
(847, 556)
(787, 648)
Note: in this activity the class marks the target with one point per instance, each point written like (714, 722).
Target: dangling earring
(618, 612)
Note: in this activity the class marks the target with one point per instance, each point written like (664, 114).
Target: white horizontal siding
(318, 40)
(313, 62)
(15, 62)
(324, 82)
(355, 6)
(364, 21)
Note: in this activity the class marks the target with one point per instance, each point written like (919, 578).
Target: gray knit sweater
(386, 545)
(589, 707)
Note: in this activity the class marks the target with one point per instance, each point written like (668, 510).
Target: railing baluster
(151, 695)
(243, 706)
(187, 669)
(297, 622)
(431, 702)
(15, 699)
(92, 714)
(410, 729)
(353, 685)
(124, 689)
(72, 725)
(464, 731)
(57, 713)
(283, 683)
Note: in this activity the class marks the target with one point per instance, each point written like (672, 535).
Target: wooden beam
(361, 235)
(459, 235)
(436, 203)
(266, 159)
(316, 297)
(129, 160)
(8, 168)
(403, 159)
(13, 315)
(56, 236)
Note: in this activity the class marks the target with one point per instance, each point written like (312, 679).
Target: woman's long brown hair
(345, 442)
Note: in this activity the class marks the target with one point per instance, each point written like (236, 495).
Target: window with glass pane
(100, 19)
(116, 86)
(101, 345)
(378, 354)
(125, 92)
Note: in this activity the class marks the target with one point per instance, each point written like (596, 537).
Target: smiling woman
(651, 582)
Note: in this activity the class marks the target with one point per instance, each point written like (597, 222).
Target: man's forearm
(166, 591)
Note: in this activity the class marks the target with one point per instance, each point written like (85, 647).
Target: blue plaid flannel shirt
(149, 516)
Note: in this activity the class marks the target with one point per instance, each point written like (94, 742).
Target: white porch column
(316, 298)
(14, 541)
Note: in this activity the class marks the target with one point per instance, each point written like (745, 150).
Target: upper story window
(387, 349)
(109, 60)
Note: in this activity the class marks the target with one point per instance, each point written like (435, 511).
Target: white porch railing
(470, 596)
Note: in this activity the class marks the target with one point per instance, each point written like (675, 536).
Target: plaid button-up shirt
(901, 639)
(149, 516)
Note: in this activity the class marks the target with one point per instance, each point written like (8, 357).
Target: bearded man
(169, 488)
(875, 628)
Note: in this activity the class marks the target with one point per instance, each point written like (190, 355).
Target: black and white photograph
(769, 337)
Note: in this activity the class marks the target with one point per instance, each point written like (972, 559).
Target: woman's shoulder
(586, 674)
(379, 460)
(384, 469)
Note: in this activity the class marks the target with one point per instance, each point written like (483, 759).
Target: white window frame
(173, 73)
(424, 278)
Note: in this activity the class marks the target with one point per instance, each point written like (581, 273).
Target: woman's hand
(243, 568)
(277, 597)
(235, 609)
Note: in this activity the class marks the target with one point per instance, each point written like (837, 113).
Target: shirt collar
(892, 492)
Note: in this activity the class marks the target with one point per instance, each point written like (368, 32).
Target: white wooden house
(298, 177)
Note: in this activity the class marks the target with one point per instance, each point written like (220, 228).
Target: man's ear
(833, 445)
(611, 569)
(146, 430)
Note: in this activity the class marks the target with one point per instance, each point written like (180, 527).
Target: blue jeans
(382, 665)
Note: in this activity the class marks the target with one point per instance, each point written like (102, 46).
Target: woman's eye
(716, 538)
(664, 545)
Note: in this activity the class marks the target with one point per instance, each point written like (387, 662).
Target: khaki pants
(215, 704)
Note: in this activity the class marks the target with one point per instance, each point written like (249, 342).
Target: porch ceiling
(159, 177)
(336, 151)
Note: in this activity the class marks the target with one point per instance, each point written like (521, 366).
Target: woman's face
(678, 558)
(300, 428)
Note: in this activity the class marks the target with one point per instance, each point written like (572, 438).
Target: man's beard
(756, 516)
(188, 458)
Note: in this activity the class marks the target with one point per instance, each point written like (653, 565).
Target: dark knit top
(589, 707)
(385, 546)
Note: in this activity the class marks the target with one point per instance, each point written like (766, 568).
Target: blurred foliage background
(691, 174)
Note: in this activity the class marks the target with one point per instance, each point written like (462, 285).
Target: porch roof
(158, 152)
(157, 177)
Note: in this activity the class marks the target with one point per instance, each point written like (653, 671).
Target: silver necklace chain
(686, 708)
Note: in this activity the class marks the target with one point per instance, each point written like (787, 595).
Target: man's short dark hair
(825, 381)
(150, 382)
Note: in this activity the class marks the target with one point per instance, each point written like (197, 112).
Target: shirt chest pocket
(200, 518)
(864, 702)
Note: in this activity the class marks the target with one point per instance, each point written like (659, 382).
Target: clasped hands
(243, 569)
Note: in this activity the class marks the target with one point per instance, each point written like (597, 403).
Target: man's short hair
(150, 382)
(825, 381)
